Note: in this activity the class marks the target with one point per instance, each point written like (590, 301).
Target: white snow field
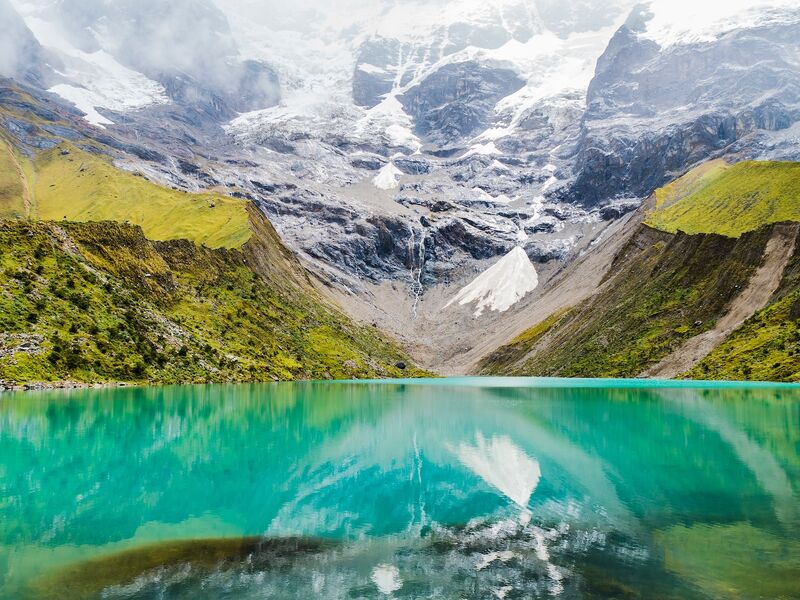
(500, 286)
(387, 177)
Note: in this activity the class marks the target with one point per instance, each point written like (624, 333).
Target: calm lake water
(464, 488)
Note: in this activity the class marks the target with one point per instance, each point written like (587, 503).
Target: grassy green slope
(74, 185)
(663, 290)
(77, 180)
(99, 302)
(729, 200)
(692, 182)
(674, 279)
(767, 346)
(506, 360)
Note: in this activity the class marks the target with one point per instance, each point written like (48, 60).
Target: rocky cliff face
(457, 100)
(654, 110)
(441, 125)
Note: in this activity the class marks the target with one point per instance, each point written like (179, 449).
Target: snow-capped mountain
(403, 148)
(127, 54)
(681, 82)
(440, 116)
(394, 114)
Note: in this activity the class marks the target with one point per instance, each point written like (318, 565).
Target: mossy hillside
(507, 358)
(696, 179)
(765, 348)
(662, 290)
(74, 185)
(729, 200)
(98, 302)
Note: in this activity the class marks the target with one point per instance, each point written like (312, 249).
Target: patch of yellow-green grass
(693, 181)
(537, 331)
(12, 186)
(730, 200)
(73, 185)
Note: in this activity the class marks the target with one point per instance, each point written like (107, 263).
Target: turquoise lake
(454, 488)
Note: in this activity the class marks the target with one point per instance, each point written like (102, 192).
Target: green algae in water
(734, 561)
(447, 489)
(88, 579)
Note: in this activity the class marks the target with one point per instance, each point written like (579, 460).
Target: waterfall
(416, 254)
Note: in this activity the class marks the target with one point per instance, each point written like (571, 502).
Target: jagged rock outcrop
(456, 100)
(653, 111)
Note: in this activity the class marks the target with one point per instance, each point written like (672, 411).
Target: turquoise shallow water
(459, 488)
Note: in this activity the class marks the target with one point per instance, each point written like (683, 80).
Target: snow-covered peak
(502, 285)
(369, 53)
(670, 22)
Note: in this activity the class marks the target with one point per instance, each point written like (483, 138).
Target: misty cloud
(21, 56)
(186, 45)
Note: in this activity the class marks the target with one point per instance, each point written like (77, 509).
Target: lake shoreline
(459, 381)
(38, 386)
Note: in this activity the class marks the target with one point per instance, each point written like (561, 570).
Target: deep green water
(441, 489)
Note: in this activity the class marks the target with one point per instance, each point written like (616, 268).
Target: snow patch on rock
(501, 285)
(481, 149)
(94, 79)
(387, 178)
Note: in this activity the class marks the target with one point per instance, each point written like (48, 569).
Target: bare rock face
(654, 111)
(457, 100)
(376, 71)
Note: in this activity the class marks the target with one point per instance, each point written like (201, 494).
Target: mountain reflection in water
(445, 489)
